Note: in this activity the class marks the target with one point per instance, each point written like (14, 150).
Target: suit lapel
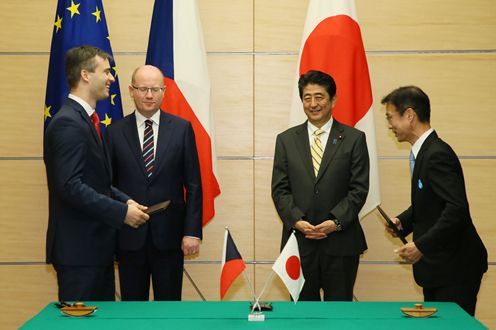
(417, 182)
(165, 134)
(132, 139)
(336, 137)
(84, 116)
(303, 147)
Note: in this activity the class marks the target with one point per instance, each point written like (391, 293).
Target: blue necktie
(412, 162)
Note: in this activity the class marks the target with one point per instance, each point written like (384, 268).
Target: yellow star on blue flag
(77, 23)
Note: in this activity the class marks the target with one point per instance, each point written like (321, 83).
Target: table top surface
(234, 315)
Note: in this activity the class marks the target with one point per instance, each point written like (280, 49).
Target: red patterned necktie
(96, 123)
(148, 148)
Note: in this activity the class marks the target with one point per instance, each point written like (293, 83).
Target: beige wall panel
(227, 25)
(32, 25)
(424, 24)
(232, 103)
(128, 23)
(23, 86)
(461, 90)
(380, 244)
(480, 180)
(24, 199)
(279, 25)
(268, 225)
(25, 290)
(274, 82)
(125, 67)
(415, 25)
(234, 209)
(26, 26)
(379, 282)
(395, 183)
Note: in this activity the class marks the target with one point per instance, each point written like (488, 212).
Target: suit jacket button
(316, 191)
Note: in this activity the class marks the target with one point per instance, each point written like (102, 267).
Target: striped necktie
(148, 148)
(317, 151)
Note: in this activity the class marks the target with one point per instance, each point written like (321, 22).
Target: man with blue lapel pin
(448, 256)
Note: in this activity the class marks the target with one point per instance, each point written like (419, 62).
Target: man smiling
(83, 216)
(448, 255)
(320, 181)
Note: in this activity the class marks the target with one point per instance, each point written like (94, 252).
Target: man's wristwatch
(338, 225)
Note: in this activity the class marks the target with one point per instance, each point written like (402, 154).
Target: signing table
(233, 315)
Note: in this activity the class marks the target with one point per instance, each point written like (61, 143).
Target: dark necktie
(148, 148)
(96, 123)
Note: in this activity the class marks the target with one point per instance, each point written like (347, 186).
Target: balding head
(147, 71)
(147, 89)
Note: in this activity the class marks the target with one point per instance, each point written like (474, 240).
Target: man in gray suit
(320, 181)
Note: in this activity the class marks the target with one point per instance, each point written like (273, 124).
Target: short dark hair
(320, 78)
(410, 97)
(82, 58)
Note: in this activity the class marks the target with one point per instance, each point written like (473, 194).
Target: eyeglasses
(144, 90)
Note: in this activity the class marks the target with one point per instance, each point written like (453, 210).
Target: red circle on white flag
(335, 47)
(293, 267)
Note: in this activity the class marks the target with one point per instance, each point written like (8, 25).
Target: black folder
(391, 225)
(159, 207)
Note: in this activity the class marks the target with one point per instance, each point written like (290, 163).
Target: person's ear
(411, 114)
(333, 101)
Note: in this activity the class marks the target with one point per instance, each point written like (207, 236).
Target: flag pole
(193, 283)
(250, 285)
(261, 293)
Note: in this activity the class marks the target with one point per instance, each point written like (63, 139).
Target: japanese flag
(288, 267)
(332, 43)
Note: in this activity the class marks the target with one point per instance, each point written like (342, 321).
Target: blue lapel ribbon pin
(334, 141)
(420, 185)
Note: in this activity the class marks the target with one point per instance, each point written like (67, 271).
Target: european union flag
(79, 22)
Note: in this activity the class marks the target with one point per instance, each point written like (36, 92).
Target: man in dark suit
(154, 158)
(448, 255)
(83, 216)
(320, 181)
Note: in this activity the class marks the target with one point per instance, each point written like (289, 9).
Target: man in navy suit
(83, 214)
(448, 255)
(320, 193)
(154, 158)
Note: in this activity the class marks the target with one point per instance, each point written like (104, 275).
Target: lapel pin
(420, 185)
(334, 141)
